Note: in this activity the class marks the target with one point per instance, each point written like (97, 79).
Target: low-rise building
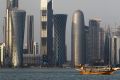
(2, 51)
(31, 60)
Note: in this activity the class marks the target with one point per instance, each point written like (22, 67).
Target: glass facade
(94, 41)
(18, 26)
(30, 33)
(59, 38)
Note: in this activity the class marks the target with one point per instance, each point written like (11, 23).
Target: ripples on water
(52, 74)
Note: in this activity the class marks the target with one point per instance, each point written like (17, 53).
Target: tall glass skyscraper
(14, 34)
(94, 40)
(50, 34)
(46, 32)
(107, 47)
(11, 4)
(30, 33)
(18, 26)
(78, 39)
(59, 38)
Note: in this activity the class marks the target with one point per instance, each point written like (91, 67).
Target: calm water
(52, 74)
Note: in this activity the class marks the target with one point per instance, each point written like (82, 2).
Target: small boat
(96, 70)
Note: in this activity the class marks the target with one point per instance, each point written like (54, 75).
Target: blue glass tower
(18, 26)
(59, 38)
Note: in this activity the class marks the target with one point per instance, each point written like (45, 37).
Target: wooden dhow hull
(97, 73)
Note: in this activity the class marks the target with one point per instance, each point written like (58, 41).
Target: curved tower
(18, 26)
(78, 39)
(59, 38)
(10, 5)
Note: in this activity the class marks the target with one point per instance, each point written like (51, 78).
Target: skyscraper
(86, 44)
(115, 50)
(50, 34)
(14, 34)
(11, 4)
(102, 41)
(94, 41)
(107, 47)
(43, 32)
(59, 38)
(30, 33)
(18, 26)
(78, 39)
(46, 47)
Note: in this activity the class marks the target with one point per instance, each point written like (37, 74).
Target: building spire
(109, 30)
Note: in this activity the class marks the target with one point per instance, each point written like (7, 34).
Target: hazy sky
(107, 10)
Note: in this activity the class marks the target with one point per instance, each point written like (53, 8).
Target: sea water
(52, 74)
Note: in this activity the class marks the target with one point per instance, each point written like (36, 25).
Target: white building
(115, 50)
(2, 49)
(31, 60)
(36, 48)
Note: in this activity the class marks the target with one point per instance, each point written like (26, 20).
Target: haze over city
(107, 10)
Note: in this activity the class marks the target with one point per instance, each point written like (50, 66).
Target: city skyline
(56, 39)
(86, 6)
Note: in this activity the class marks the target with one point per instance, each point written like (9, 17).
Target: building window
(44, 25)
(44, 12)
(44, 41)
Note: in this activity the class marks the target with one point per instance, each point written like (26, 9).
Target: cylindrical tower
(78, 39)
(59, 38)
(18, 25)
